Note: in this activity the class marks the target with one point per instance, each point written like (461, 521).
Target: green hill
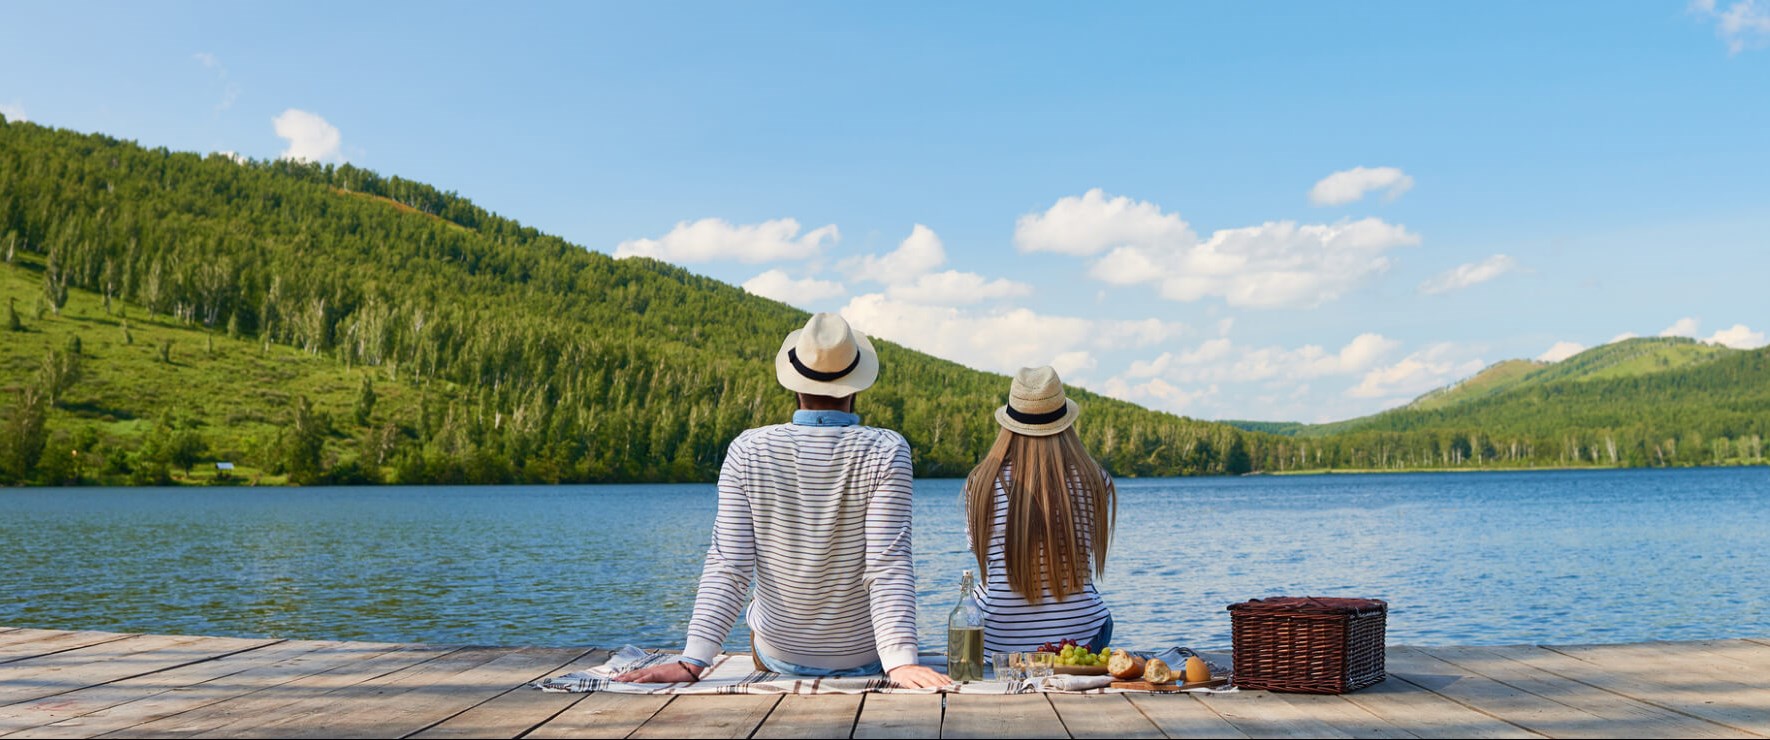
(1652, 401)
(246, 312)
(1494, 379)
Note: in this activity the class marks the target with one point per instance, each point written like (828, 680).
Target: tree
(365, 402)
(304, 451)
(12, 322)
(23, 435)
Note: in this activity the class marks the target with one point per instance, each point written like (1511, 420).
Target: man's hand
(678, 672)
(918, 677)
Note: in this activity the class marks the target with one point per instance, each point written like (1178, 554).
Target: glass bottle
(964, 635)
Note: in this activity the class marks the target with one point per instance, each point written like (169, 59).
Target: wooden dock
(104, 684)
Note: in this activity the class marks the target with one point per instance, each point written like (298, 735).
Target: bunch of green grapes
(1079, 655)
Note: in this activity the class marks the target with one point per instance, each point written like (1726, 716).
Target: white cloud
(1561, 351)
(311, 138)
(1273, 265)
(1623, 336)
(1738, 336)
(918, 254)
(1157, 393)
(1276, 264)
(908, 274)
(1434, 367)
(1220, 360)
(1092, 223)
(1744, 24)
(1347, 186)
(712, 239)
(778, 285)
(13, 112)
(954, 288)
(1069, 365)
(1001, 340)
(1469, 274)
(207, 59)
(1684, 327)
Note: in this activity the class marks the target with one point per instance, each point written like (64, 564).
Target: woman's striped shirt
(818, 519)
(1011, 623)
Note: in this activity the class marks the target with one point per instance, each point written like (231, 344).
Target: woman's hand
(918, 677)
(677, 672)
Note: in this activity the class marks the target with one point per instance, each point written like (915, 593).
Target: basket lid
(1311, 605)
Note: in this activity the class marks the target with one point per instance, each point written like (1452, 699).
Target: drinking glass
(1040, 665)
(1010, 666)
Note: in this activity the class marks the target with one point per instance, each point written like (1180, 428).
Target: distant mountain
(1649, 401)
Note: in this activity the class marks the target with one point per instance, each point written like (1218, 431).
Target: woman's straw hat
(827, 358)
(1036, 404)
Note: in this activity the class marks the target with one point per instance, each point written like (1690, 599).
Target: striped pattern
(818, 520)
(1011, 623)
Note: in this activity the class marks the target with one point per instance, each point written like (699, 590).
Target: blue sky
(1289, 211)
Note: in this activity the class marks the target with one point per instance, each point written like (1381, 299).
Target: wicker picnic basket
(1308, 644)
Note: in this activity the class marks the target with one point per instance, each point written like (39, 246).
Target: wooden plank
(1736, 661)
(1015, 715)
(1344, 716)
(1102, 715)
(1183, 715)
(49, 675)
(252, 671)
(22, 634)
(222, 706)
(1265, 714)
(1553, 705)
(409, 700)
(891, 716)
(1731, 704)
(515, 711)
(75, 704)
(40, 645)
(809, 716)
(1427, 714)
(602, 715)
(735, 715)
(1510, 703)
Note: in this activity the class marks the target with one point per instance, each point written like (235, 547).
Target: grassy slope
(1495, 379)
(125, 387)
(1625, 359)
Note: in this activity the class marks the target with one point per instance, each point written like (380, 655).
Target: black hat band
(793, 357)
(1026, 418)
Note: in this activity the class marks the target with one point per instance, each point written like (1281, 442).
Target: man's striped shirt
(818, 519)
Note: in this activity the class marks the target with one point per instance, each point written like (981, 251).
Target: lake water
(1462, 558)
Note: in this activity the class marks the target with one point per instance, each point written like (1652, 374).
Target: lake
(1462, 558)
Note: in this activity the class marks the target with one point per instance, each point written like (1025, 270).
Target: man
(817, 514)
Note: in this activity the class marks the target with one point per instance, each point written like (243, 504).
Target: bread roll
(1124, 666)
(1197, 671)
(1155, 671)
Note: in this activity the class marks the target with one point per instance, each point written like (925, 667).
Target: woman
(1043, 509)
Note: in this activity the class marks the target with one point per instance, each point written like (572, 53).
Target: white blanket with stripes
(736, 674)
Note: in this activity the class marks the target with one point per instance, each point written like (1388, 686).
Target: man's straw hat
(827, 358)
(1036, 404)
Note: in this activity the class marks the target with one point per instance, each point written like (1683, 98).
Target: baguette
(1125, 666)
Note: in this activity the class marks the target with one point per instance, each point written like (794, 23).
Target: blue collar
(808, 418)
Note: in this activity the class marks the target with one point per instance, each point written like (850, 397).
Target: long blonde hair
(1061, 510)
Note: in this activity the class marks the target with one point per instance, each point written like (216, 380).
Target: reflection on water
(1550, 557)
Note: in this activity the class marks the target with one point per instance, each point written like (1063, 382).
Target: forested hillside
(318, 323)
(1640, 402)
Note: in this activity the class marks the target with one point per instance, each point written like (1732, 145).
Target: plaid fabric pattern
(736, 674)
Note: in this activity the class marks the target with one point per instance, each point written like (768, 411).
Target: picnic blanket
(736, 674)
